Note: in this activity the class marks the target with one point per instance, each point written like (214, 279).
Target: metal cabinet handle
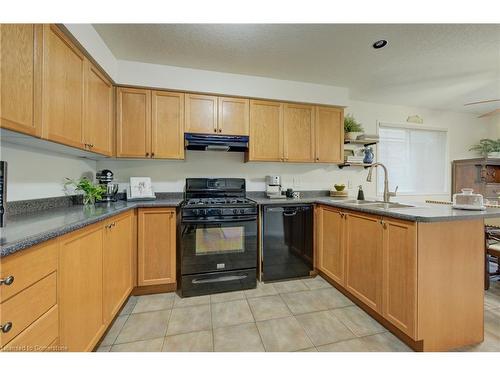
(6, 327)
(383, 223)
(7, 281)
(342, 214)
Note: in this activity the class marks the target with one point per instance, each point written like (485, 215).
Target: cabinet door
(298, 133)
(363, 248)
(329, 133)
(331, 243)
(167, 125)
(117, 264)
(201, 114)
(233, 116)
(80, 289)
(266, 131)
(133, 123)
(20, 77)
(63, 89)
(156, 249)
(98, 120)
(400, 275)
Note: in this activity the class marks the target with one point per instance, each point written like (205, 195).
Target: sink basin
(390, 205)
(359, 202)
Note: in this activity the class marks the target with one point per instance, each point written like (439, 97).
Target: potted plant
(91, 192)
(352, 128)
(489, 148)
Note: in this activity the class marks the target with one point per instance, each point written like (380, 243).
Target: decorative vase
(352, 136)
(368, 159)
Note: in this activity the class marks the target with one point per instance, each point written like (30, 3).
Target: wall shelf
(364, 165)
(364, 142)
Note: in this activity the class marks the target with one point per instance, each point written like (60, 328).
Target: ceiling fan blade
(483, 101)
(492, 113)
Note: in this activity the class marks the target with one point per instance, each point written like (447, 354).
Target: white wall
(34, 173)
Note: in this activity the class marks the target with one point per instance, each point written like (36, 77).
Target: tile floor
(299, 315)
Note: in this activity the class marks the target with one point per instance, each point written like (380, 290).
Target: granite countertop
(25, 230)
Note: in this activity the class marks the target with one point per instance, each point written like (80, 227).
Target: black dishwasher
(287, 242)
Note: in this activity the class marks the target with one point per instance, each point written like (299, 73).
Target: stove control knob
(242, 211)
(195, 212)
(202, 212)
(235, 210)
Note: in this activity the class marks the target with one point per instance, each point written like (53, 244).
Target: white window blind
(415, 159)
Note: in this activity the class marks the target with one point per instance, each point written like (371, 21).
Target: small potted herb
(352, 128)
(489, 148)
(91, 192)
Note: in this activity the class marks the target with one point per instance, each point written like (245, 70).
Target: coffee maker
(105, 178)
(273, 187)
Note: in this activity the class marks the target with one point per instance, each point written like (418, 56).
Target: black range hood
(204, 142)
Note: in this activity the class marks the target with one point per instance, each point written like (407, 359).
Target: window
(415, 159)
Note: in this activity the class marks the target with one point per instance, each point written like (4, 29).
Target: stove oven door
(218, 244)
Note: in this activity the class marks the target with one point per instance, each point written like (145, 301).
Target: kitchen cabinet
(21, 78)
(298, 135)
(329, 135)
(156, 246)
(133, 123)
(266, 131)
(330, 242)
(201, 114)
(167, 135)
(399, 270)
(98, 116)
(81, 289)
(233, 116)
(363, 248)
(117, 262)
(63, 89)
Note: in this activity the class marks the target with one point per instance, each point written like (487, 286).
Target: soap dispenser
(361, 194)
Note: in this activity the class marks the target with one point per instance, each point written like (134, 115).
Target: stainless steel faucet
(387, 194)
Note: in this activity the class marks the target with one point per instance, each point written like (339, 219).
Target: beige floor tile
(290, 286)
(313, 349)
(231, 313)
(262, 290)
(491, 343)
(129, 305)
(283, 335)
(200, 341)
(269, 307)
(115, 329)
(240, 338)
(492, 321)
(359, 322)
(332, 298)
(154, 302)
(317, 283)
(324, 328)
(144, 326)
(315, 300)
(382, 342)
(491, 301)
(226, 297)
(102, 348)
(190, 301)
(189, 319)
(153, 345)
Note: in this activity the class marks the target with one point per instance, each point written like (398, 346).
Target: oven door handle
(210, 221)
(219, 279)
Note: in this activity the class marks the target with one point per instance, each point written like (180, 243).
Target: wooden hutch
(481, 174)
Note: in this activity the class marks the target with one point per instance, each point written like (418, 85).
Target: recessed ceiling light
(379, 44)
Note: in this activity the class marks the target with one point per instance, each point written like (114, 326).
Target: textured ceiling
(435, 66)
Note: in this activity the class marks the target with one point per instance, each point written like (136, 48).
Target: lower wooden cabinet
(156, 246)
(117, 263)
(80, 289)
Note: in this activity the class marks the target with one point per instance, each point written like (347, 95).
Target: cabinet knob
(147, 154)
(220, 130)
(317, 159)
(7, 281)
(6, 327)
(215, 130)
(383, 223)
(152, 154)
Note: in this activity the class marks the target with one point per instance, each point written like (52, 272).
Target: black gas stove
(218, 239)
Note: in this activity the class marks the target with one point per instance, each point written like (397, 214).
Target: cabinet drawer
(27, 267)
(42, 335)
(24, 308)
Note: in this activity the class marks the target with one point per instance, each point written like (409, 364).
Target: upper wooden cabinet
(117, 264)
(167, 135)
(156, 246)
(133, 123)
(266, 131)
(63, 88)
(21, 78)
(233, 116)
(298, 140)
(201, 114)
(329, 134)
(98, 117)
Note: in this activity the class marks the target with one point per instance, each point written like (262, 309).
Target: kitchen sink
(359, 202)
(390, 205)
